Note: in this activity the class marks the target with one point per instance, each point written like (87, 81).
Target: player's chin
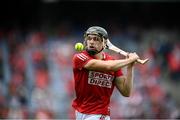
(92, 51)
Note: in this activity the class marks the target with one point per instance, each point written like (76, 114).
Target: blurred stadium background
(37, 43)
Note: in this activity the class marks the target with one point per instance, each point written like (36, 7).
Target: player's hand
(133, 56)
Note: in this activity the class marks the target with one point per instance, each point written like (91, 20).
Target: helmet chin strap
(93, 52)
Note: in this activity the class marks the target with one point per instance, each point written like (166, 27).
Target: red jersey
(93, 88)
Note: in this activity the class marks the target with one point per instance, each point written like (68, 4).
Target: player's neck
(99, 56)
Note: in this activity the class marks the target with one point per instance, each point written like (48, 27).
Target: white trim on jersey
(82, 57)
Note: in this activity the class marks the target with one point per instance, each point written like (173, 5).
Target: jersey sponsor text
(100, 79)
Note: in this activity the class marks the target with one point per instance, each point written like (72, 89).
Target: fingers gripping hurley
(110, 46)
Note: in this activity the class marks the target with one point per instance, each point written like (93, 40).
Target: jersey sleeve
(118, 73)
(80, 59)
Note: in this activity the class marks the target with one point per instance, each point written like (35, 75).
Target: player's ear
(104, 42)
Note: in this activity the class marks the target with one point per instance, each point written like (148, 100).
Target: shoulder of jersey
(82, 56)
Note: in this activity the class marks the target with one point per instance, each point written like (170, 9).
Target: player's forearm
(116, 65)
(129, 81)
(110, 65)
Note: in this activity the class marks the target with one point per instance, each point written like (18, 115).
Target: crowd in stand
(36, 78)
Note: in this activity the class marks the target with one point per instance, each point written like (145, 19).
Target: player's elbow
(126, 94)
